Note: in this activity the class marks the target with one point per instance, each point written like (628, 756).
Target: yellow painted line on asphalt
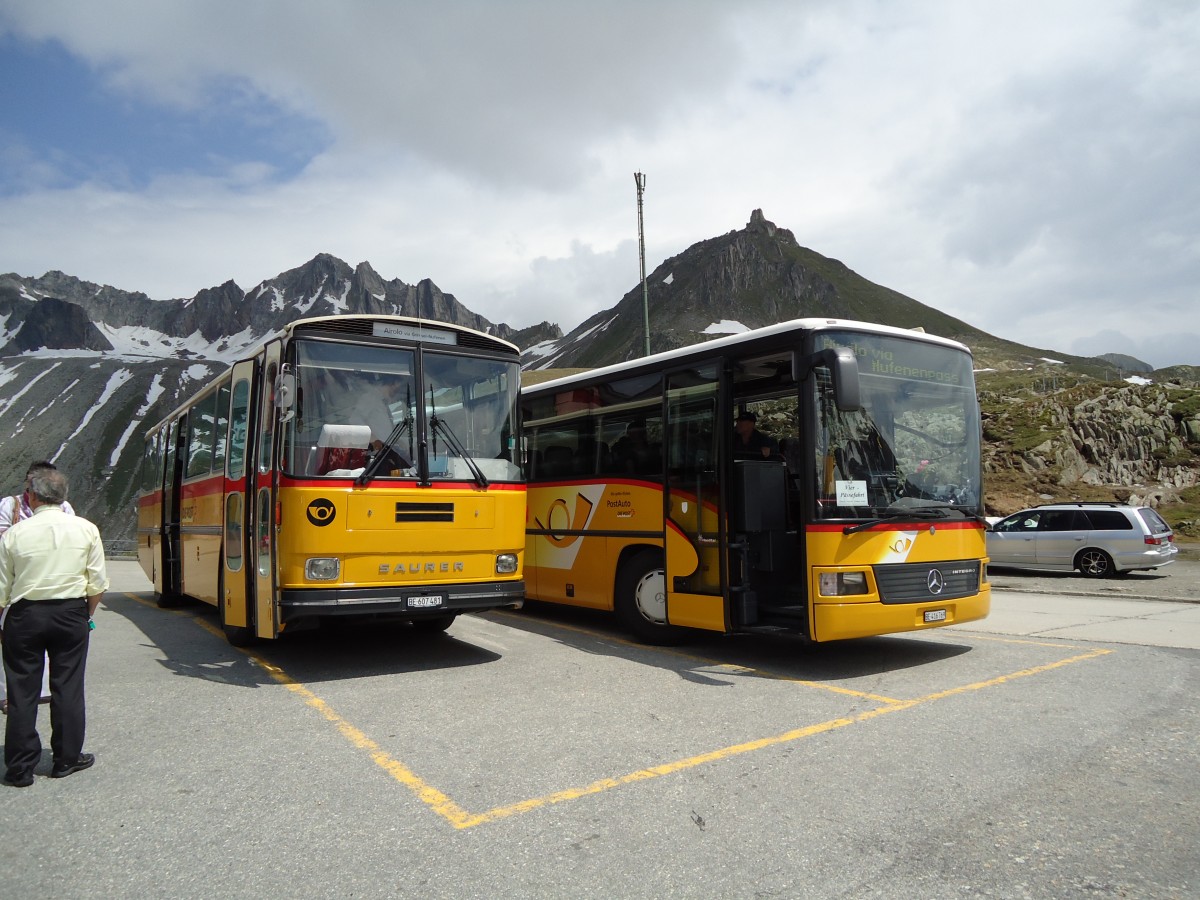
(787, 737)
(729, 667)
(460, 818)
(426, 793)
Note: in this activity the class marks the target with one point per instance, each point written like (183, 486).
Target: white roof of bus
(804, 325)
(431, 324)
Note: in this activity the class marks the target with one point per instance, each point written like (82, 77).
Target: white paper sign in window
(851, 493)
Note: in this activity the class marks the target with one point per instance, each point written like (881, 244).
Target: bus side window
(637, 452)
(557, 460)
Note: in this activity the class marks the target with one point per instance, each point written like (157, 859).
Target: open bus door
(693, 516)
(169, 583)
(237, 610)
(264, 479)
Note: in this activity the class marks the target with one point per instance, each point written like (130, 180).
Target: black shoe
(85, 761)
(19, 781)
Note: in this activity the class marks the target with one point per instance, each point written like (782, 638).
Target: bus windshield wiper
(888, 515)
(376, 463)
(439, 426)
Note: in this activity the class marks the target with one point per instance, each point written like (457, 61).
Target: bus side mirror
(843, 371)
(285, 391)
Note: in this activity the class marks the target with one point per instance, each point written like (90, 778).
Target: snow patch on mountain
(156, 390)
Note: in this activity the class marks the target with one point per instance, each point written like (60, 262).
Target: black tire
(1095, 563)
(641, 599)
(168, 600)
(434, 625)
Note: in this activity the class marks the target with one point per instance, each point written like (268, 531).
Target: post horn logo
(321, 512)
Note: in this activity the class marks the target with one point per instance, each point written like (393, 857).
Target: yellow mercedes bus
(351, 466)
(846, 503)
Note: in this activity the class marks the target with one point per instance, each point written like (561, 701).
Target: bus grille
(926, 582)
(424, 512)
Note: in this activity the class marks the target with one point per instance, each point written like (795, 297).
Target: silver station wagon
(1098, 539)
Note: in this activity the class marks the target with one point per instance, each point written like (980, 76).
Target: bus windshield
(914, 444)
(357, 410)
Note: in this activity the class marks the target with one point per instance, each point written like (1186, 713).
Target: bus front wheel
(641, 599)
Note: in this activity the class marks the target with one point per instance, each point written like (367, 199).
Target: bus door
(765, 561)
(693, 500)
(172, 487)
(237, 586)
(266, 586)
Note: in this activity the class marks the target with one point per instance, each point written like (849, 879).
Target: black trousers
(33, 630)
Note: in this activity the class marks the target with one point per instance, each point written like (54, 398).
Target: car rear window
(1153, 520)
(1109, 520)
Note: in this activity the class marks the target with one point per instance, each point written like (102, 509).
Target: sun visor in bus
(356, 436)
(843, 371)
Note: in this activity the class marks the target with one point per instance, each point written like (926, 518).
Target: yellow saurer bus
(351, 466)
(818, 477)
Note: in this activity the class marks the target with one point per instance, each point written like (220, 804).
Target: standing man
(12, 510)
(52, 576)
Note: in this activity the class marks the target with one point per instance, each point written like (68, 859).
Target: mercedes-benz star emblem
(935, 582)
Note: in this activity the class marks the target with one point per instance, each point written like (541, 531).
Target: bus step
(786, 612)
(766, 629)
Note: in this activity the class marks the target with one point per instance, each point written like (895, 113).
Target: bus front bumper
(413, 601)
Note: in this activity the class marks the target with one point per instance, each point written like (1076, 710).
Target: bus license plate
(427, 601)
(935, 615)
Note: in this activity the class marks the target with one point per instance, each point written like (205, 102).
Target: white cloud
(1027, 167)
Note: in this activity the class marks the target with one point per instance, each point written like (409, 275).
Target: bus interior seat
(342, 447)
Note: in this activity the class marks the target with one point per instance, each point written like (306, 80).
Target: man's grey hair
(49, 486)
(39, 464)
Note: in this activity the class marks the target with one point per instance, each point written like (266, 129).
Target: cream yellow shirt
(51, 556)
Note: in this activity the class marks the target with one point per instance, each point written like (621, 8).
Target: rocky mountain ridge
(225, 319)
(757, 276)
(85, 368)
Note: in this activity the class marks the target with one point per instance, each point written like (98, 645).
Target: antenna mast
(640, 180)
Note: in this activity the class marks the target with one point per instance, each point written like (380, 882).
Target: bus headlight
(506, 564)
(321, 568)
(842, 584)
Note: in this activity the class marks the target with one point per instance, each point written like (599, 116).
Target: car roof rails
(1113, 503)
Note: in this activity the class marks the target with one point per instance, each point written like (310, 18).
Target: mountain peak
(758, 222)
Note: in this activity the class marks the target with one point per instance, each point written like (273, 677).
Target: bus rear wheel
(641, 599)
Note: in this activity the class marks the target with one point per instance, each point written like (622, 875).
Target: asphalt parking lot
(1180, 581)
(542, 754)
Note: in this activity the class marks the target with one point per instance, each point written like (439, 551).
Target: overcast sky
(1030, 167)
